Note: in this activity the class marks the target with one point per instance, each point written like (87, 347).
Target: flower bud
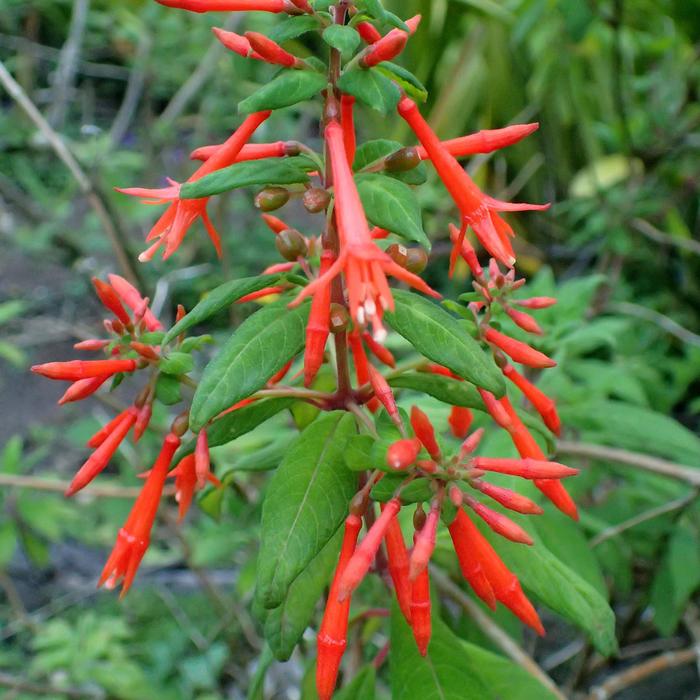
(402, 453)
(398, 253)
(417, 260)
(340, 318)
(402, 160)
(271, 198)
(419, 518)
(316, 199)
(181, 424)
(291, 244)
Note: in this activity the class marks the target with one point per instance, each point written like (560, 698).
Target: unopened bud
(398, 253)
(402, 160)
(358, 504)
(402, 453)
(271, 198)
(417, 260)
(419, 517)
(316, 199)
(339, 318)
(291, 244)
(181, 424)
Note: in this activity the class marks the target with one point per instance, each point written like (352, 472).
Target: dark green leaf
(288, 88)
(341, 37)
(439, 337)
(266, 171)
(176, 363)
(412, 86)
(371, 151)
(391, 204)
(445, 673)
(219, 298)
(451, 391)
(371, 88)
(285, 624)
(196, 343)
(258, 348)
(305, 504)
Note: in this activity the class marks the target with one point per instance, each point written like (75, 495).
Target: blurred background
(131, 88)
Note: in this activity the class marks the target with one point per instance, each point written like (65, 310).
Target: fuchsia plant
(362, 449)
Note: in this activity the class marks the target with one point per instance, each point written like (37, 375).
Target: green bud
(316, 199)
(291, 244)
(271, 198)
(402, 160)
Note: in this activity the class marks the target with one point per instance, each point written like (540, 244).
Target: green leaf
(176, 363)
(502, 677)
(263, 459)
(285, 624)
(439, 337)
(370, 87)
(391, 204)
(411, 85)
(361, 687)
(8, 543)
(450, 391)
(288, 88)
(444, 673)
(293, 28)
(341, 37)
(417, 491)
(168, 390)
(219, 298)
(265, 660)
(258, 348)
(305, 504)
(677, 578)
(561, 589)
(11, 309)
(266, 171)
(371, 151)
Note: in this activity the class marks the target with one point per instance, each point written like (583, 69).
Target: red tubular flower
(99, 459)
(425, 432)
(274, 224)
(403, 453)
(397, 556)
(362, 559)
(527, 467)
(272, 52)
(504, 583)
(463, 533)
(541, 402)
(495, 409)
(237, 43)
(365, 265)
(535, 302)
(386, 49)
(202, 461)
(260, 294)
(484, 141)
(471, 443)
(134, 537)
(101, 435)
(361, 365)
(82, 389)
(142, 420)
(369, 33)
(148, 352)
(133, 299)
(466, 251)
(460, 421)
(279, 376)
(424, 543)
(318, 327)
(251, 151)
(83, 369)
(527, 447)
(421, 612)
(110, 300)
(499, 523)
(347, 122)
(379, 351)
(92, 345)
(477, 209)
(507, 498)
(517, 350)
(331, 640)
(185, 483)
(228, 5)
(171, 227)
(524, 321)
(383, 392)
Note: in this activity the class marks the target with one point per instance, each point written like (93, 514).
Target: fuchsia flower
(477, 209)
(171, 227)
(365, 266)
(231, 5)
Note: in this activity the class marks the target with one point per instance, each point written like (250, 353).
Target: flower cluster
(335, 280)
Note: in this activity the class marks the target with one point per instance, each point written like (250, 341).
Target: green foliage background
(615, 87)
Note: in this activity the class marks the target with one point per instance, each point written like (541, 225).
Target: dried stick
(680, 472)
(664, 322)
(14, 683)
(654, 234)
(14, 89)
(493, 631)
(636, 674)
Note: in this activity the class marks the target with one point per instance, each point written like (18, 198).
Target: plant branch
(658, 236)
(493, 631)
(659, 319)
(656, 465)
